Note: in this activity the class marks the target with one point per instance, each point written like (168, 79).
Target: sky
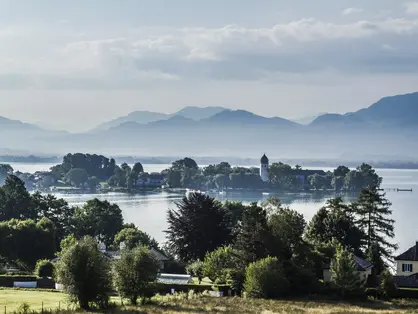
(73, 64)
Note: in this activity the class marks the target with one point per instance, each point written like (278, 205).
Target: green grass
(191, 303)
(13, 298)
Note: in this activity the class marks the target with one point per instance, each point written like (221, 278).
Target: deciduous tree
(134, 273)
(84, 273)
(99, 219)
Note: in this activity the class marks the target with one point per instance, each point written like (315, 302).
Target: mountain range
(388, 127)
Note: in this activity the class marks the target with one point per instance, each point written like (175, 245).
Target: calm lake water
(148, 211)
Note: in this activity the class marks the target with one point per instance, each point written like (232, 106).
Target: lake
(148, 210)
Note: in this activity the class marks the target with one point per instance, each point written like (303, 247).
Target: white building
(264, 168)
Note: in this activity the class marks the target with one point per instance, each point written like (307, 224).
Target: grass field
(180, 304)
(12, 299)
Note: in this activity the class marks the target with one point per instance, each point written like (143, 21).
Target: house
(407, 262)
(407, 268)
(116, 255)
(303, 174)
(364, 270)
(159, 256)
(151, 180)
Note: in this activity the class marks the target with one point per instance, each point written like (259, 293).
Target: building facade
(264, 169)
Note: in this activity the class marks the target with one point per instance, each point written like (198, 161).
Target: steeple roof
(264, 160)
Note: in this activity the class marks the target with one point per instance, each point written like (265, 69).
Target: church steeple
(264, 160)
(264, 168)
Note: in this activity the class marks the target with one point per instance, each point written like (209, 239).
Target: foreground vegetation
(182, 303)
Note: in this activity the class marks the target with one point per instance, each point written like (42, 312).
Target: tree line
(35, 226)
(270, 250)
(91, 171)
(185, 173)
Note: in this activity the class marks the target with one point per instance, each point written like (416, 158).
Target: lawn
(195, 304)
(12, 299)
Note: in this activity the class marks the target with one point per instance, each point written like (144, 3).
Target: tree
(92, 183)
(387, 284)
(370, 177)
(133, 237)
(44, 268)
(99, 219)
(181, 164)
(220, 264)
(341, 171)
(66, 243)
(174, 178)
(362, 178)
(84, 273)
(373, 210)
(235, 210)
(221, 168)
(287, 227)
(76, 177)
(195, 269)
(344, 273)
(25, 242)
(254, 237)
(57, 210)
(138, 168)
(221, 181)
(5, 171)
(265, 279)
(335, 221)
(282, 176)
(319, 182)
(199, 225)
(95, 165)
(134, 273)
(15, 200)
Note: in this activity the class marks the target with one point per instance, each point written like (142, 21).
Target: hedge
(7, 281)
(401, 293)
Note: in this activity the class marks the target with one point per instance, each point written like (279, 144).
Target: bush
(134, 274)
(221, 263)
(85, 274)
(265, 279)
(24, 308)
(195, 269)
(387, 285)
(44, 268)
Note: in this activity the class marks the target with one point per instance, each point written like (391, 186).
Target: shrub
(85, 274)
(134, 274)
(265, 279)
(44, 268)
(387, 286)
(221, 263)
(344, 273)
(24, 308)
(195, 269)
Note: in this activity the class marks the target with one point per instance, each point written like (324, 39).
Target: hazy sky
(72, 64)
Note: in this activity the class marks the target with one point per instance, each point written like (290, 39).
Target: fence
(35, 308)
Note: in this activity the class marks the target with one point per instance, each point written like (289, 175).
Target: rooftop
(410, 255)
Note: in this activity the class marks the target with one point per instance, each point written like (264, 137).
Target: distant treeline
(213, 160)
(29, 159)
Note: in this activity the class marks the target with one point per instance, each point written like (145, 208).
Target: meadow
(182, 303)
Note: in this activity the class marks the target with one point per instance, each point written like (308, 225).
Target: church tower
(264, 168)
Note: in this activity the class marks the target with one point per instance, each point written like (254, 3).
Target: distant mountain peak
(199, 113)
